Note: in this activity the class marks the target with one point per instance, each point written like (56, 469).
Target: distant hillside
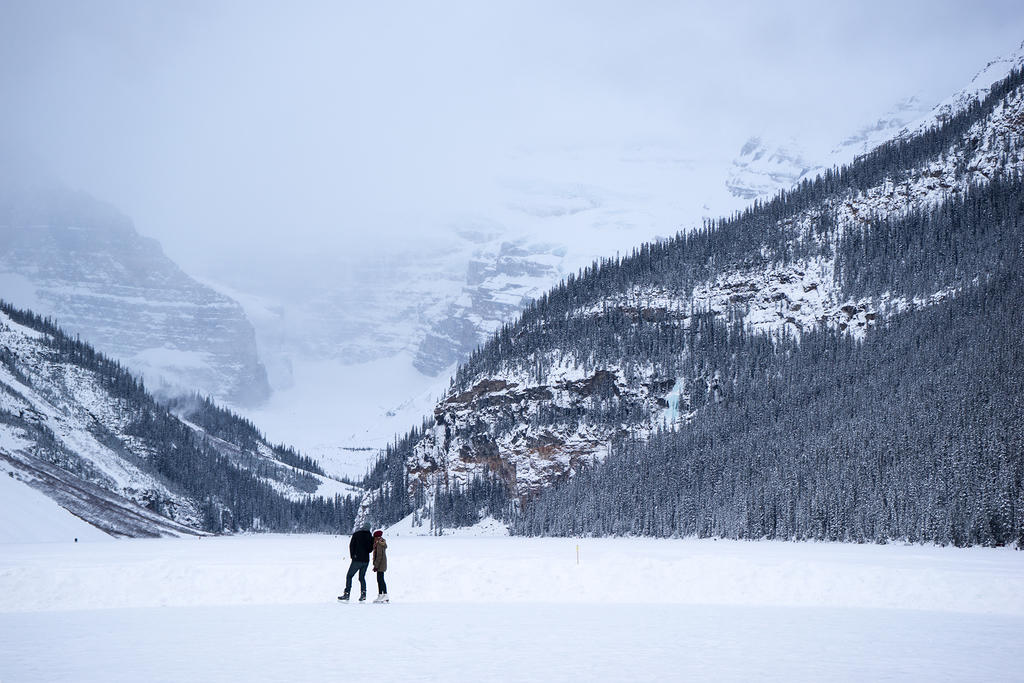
(67, 255)
(80, 428)
(838, 362)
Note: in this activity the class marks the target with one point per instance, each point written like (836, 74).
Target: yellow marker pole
(577, 553)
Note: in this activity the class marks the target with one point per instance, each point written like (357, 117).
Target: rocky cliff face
(499, 427)
(71, 257)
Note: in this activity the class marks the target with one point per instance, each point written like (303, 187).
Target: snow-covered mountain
(79, 428)
(406, 317)
(760, 170)
(69, 256)
(548, 396)
(976, 90)
(889, 125)
(365, 344)
(765, 166)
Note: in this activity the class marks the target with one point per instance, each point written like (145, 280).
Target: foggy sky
(290, 128)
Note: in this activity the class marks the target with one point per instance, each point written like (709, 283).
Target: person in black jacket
(359, 549)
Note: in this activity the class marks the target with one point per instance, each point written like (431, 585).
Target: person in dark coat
(359, 549)
(380, 564)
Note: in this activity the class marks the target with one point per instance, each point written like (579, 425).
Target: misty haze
(497, 277)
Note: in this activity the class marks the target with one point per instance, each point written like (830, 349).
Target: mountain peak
(993, 72)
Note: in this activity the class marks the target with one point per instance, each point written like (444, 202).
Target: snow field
(513, 642)
(263, 607)
(282, 569)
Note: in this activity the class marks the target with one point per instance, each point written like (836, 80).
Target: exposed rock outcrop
(527, 432)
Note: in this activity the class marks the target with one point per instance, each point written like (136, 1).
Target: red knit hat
(378, 533)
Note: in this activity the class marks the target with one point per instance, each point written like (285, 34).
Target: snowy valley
(621, 406)
(534, 405)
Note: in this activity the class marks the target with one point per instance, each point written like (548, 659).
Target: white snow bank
(488, 526)
(27, 515)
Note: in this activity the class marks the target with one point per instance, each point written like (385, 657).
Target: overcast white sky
(275, 124)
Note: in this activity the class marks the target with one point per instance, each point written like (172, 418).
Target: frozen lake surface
(480, 608)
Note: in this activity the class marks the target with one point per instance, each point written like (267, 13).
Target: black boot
(343, 597)
(362, 597)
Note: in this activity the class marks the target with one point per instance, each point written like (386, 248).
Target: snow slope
(28, 516)
(341, 414)
(996, 70)
(263, 608)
